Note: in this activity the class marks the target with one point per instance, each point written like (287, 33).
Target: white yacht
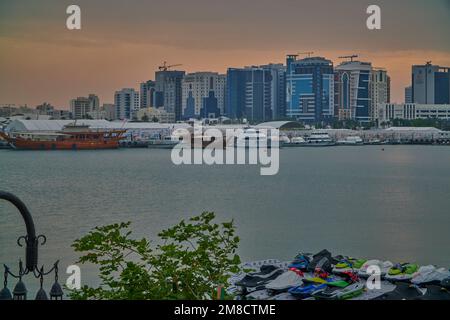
(351, 141)
(295, 142)
(167, 142)
(252, 138)
(319, 139)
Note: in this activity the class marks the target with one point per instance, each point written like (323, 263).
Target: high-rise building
(127, 104)
(408, 95)
(168, 93)
(430, 84)
(380, 90)
(249, 93)
(309, 89)
(278, 95)
(82, 107)
(200, 88)
(352, 90)
(147, 94)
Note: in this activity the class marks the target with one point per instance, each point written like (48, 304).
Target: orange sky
(121, 44)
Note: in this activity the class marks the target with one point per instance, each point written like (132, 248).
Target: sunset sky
(121, 43)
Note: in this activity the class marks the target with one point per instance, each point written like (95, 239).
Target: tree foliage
(191, 261)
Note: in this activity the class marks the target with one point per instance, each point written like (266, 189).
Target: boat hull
(64, 145)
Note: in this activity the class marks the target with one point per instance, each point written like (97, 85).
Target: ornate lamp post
(31, 242)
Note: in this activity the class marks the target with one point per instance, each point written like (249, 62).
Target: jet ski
(429, 275)
(322, 260)
(348, 264)
(301, 262)
(402, 272)
(384, 267)
(306, 290)
(342, 289)
(257, 279)
(337, 293)
(285, 281)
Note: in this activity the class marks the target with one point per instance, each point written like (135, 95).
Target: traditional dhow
(71, 137)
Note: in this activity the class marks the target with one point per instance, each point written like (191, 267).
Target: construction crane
(349, 57)
(165, 67)
(308, 53)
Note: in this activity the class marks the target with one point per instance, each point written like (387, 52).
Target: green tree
(195, 257)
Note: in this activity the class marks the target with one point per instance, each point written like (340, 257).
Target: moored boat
(318, 139)
(72, 137)
(295, 142)
(351, 141)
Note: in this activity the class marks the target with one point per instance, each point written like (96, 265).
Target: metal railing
(31, 242)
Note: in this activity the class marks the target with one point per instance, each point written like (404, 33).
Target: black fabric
(403, 291)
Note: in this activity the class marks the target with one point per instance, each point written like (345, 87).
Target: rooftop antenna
(351, 57)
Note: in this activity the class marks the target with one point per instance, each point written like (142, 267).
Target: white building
(82, 107)
(156, 115)
(198, 86)
(411, 111)
(126, 102)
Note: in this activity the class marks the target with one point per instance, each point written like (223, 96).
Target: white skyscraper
(196, 87)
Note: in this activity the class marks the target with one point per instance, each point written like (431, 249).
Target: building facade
(411, 111)
(201, 88)
(83, 107)
(249, 94)
(156, 115)
(168, 91)
(430, 84)
(380, 90)
(408, 95)
(309, 89)
(127, 104)
(147, 94)
(278, 94)
(109, 110)
(352, 91)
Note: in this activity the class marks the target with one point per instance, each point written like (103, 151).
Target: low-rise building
(411, 111)
(156, 115)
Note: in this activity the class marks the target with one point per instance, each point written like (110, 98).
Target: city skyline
(121, 45)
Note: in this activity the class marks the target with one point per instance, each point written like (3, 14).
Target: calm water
(360, 201)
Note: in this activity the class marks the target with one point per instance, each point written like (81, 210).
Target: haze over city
(123, 43)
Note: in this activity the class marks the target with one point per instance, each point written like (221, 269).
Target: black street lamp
(31, 260)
